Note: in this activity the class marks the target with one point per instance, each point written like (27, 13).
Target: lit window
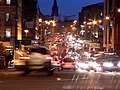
(8, 32)
(8, 1)
(7, 16)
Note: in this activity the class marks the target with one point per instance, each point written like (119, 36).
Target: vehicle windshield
(39, 50)
(68, 60)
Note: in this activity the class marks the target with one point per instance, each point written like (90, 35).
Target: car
(68, 63)
(39, 60)
(56, 62)
(19, 60)
(109, 63)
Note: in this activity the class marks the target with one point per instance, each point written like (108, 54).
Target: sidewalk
(9, 72)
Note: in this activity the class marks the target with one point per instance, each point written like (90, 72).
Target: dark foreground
(64, 80)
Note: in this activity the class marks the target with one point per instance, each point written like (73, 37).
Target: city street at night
(59, 44)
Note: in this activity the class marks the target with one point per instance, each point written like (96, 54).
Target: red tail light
(56, 52)
(12, 62)
(48, 59)
(73, 63)
(63, 62)
(60, 57)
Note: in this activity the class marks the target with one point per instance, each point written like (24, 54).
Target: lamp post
(107, 32)
(53, 25)
(15, 31)
(41, 24)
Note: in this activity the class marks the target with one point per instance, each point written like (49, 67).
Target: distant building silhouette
(111, 38)
(55, 9)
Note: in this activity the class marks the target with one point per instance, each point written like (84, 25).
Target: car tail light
(73, 63)
(12, 62)
(48, 59)
(63, 62)
(60, 57)
(56, 52)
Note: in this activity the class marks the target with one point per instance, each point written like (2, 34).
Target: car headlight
(83, 65)
(93, 64)
(108, 64)
(118, 64)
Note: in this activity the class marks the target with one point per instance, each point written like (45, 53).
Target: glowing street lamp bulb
(107, 17)
(119, 10)
(40, 20)
(94, 22)
(26, 31)
(100, 21)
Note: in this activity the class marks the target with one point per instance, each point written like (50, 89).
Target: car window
(68, 60)
(39, 50)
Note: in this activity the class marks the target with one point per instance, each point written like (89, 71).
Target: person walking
(7, 59)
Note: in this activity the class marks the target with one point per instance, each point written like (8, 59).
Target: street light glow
(26, 31)
(40, 20)
(107, 17)
(119, 10)
(94, 22)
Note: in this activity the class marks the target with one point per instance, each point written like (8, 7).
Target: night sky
(66, 7)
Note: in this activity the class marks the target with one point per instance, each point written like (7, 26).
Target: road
(63, 80)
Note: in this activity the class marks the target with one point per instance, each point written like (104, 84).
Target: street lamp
(53, 25)
(107, 18)
(41, 24)
(26, 32)
(118, 10)
(16, 32)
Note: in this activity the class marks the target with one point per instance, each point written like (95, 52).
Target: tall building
(111, 36)
(55, 9)
(10, 20)
(116, 25)
(29, 19)
(91, 22)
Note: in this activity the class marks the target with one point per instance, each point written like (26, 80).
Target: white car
(38, 59)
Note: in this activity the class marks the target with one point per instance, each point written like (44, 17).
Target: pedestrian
(7, 59)
(10, 57)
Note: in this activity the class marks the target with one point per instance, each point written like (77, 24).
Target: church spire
(55, 9)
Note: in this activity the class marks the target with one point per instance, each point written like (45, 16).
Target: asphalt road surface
(63, 80)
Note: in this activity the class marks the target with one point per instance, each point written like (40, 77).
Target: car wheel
(27, 72)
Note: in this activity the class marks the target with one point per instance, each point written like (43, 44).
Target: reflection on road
(91, 81)
(62, 80)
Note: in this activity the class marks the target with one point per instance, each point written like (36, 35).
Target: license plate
(68, 63)
(36, 67)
